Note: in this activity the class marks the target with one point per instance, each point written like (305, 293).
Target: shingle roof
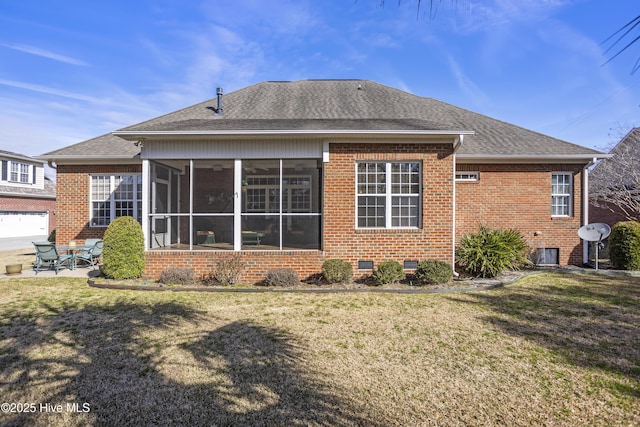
(104, 146)
(340, 105)
(48, 192)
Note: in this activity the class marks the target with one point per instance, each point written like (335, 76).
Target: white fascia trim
(27, 196)
(138, 135)
(546, 158)
(91, 160)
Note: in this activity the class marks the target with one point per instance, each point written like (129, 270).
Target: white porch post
(585, 207)
(146, 199)
(237, 207)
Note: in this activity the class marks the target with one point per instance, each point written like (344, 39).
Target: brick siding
(514, 196)
(519, 197)
(73, 189)
(610, 215)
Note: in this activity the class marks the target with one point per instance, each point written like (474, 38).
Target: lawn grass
(549, 350)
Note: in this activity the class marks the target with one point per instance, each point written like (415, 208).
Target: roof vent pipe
(219, 93)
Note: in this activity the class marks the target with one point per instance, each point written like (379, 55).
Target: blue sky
(72, 70)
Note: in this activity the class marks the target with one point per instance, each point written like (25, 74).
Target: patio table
(72, 250)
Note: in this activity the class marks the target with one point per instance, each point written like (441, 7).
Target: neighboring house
(27, 197)
(615, 183)
(289, 174)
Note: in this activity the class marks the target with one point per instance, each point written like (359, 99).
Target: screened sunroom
(238, 204)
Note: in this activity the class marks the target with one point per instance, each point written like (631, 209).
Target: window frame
(467, 176)
(19, 172)
(556, 195)
(389, 197)
(114, 202)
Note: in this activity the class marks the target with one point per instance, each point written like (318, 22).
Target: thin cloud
(46, 54)
(467, 86)
(50, 91)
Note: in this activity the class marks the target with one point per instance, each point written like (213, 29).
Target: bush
(337, 271)
(52, 237)
(227, 271)
(123, 252)
(281, 277)
(388, 272)
(177, 276)
(624, 245)
(432, 272)
(489, 252)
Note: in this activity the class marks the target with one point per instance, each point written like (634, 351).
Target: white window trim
(464, 176)
(18, 165)
(570, 195)
(389, 196)
(112, 204)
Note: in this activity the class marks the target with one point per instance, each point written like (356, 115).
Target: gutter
(585, 206)
(532, 158)
(205, 134)
(456, 146)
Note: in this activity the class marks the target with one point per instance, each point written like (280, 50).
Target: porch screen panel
(213, 204)
(301, 203)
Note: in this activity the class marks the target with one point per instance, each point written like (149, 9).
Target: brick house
(622, 168)
(27, 197)
(289, 174)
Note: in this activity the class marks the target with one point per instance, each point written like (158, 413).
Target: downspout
(585, 207)
(456, 145)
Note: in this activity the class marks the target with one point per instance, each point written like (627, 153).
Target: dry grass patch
(26, 257)
(550, 350)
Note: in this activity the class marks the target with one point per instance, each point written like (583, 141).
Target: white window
(113, 196)
(388, 194)
(561, 194)
(467, 176)
(19, 172)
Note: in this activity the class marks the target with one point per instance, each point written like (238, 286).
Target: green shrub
(281, 277)
(337, 271)
(489, 252)
(388, 272)
(52, 237)
(624, 245)
(226, 272)
(177, 276)
(123, 252)
(432, 272)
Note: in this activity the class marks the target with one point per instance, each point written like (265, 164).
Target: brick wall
(609, 215)
(433, 240)
(515, 196)
(519, 197)
(255, 263)
(73, 199)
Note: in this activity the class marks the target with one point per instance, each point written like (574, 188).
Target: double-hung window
(388, 194)
(561, 194)
(17, 172)
(113, 196)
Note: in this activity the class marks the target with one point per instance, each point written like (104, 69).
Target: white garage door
(18, 224)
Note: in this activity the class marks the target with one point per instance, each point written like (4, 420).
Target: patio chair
(47, 256)
(92, 251)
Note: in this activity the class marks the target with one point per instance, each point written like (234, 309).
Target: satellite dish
(594, 232)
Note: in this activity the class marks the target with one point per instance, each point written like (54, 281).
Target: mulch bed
(318, 286)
